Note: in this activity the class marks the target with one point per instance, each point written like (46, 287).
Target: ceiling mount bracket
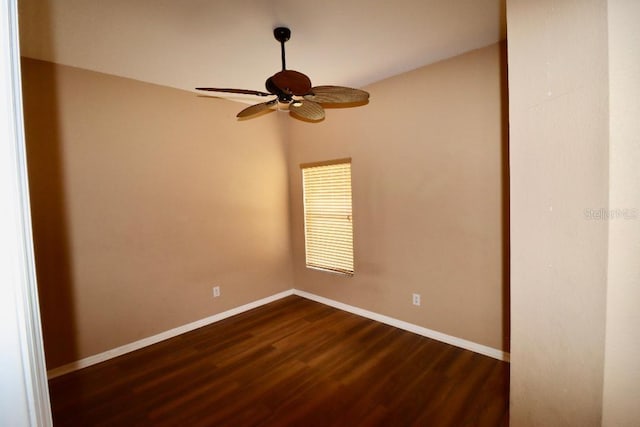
(282, 34)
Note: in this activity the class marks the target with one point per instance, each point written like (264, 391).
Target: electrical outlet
(216, 291)
(416, 299)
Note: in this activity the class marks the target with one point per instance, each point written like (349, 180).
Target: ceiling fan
(294, 89)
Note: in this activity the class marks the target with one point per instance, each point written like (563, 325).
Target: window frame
(338, 257)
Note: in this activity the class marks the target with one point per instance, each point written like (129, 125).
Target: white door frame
(24, 394)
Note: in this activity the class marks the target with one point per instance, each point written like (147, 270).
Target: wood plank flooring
(293, 362)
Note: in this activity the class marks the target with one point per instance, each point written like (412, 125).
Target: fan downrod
(282, 34)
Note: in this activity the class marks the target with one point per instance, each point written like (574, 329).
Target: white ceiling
(229, 43)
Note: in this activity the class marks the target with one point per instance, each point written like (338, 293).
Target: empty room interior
(491, 216)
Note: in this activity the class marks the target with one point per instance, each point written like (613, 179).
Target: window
(328, 227)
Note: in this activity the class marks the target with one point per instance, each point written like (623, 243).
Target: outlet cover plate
(416, 299)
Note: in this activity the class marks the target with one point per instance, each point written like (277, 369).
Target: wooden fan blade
(307, 110)
(336, 95)
(257, 108)
(240, 91)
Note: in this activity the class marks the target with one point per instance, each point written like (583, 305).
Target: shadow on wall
(506, 273)
(48, 211)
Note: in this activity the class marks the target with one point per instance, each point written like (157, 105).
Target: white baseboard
(127, 348)
(429, 333)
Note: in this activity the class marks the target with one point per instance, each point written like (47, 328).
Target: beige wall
(428, 171)
(559, 165)
(622, 350)
(143, 198)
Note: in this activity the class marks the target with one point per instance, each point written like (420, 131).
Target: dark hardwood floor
(293, 362)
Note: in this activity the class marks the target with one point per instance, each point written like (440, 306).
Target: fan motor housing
(293, 82)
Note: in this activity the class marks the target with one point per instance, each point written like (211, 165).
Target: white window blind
(328, 222)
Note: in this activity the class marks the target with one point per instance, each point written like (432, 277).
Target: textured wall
(143, 198)
(622, 355)
(429, 197)
(558, 118)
